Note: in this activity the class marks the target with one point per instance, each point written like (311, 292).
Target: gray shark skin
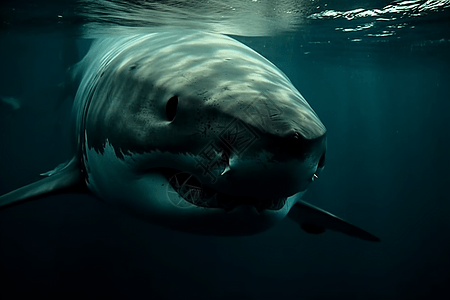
(192, 131)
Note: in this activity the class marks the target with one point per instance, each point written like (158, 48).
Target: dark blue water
(384, 100)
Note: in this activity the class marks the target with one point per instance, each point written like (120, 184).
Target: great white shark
(193, 131)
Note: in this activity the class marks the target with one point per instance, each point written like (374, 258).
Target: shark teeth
(191, 190)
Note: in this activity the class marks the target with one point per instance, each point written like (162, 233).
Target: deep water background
(386, 108)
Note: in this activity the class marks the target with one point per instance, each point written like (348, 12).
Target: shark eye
(171, 108)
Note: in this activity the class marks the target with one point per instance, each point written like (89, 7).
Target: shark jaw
(191, 190)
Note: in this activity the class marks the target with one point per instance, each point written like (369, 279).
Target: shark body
(192, 131)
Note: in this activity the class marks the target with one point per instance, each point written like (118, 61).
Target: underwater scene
(247, 149)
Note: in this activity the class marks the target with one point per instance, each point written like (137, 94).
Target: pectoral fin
(315, 220)
(64, 179)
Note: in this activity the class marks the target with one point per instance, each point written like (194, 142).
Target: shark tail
(315, 220)
(66, 178)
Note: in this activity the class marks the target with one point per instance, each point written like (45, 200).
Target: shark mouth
(191, 190)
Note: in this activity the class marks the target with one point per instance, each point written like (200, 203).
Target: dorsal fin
(64, 179)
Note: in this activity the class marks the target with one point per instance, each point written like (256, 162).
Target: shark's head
(200, 133)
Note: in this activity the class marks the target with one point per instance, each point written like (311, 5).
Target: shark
(12, 102)
(193, 131)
